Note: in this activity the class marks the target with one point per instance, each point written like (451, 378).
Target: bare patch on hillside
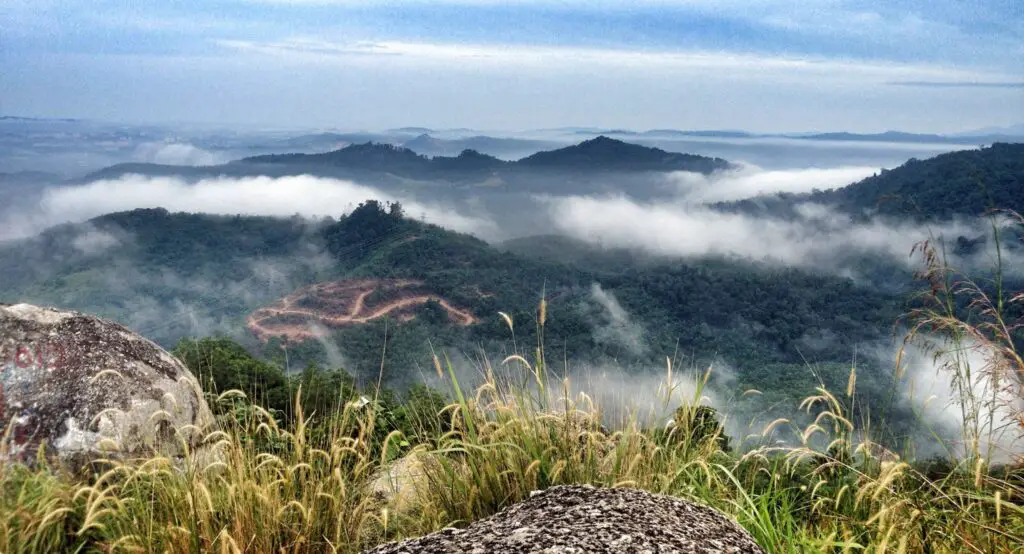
(307, 312)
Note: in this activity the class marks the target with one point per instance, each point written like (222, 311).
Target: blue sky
(761, 65)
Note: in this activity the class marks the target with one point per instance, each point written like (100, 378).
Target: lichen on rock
(79, 387)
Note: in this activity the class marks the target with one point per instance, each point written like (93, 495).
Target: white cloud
(929, 386)
(94, 242)
(750, 180)
(619, 329)
(741, 64)
(813, 239)
(175, 153)
(284, 196)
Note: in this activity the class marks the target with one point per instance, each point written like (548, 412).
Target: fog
(617, 327)
(174, 153)
(816, 238)
(749, 180)
(930, 371)
(283, 196)
(673, 221)
(666, 216)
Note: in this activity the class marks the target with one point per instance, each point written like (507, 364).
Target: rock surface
(86, 387)
(401, 483)
(584, 519)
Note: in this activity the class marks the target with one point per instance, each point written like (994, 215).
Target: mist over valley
(471, 276)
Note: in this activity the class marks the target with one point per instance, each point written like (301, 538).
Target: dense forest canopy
(178, 275)
(961, 183)
(223, 267)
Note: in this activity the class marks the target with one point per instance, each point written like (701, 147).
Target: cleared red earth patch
(305, 313)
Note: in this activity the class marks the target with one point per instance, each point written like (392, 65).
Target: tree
(395, 210)
(220, 364)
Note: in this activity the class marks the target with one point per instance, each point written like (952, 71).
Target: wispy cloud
(816, 238)
(760, 65)
(958, 84)
(749, 64)
(749, 180)
(316, 47)
(284, 196)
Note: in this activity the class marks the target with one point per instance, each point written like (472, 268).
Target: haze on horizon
(766, 66)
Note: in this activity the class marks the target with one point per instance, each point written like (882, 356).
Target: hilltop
(966, 182)
(961, 183)
(377, 159)
(607, 154)
(595, 155)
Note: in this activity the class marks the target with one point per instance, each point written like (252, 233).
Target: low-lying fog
(669, 218)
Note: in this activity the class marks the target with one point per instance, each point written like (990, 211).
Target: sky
(757, 65)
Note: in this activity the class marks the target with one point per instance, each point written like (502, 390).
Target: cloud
(739, 63)
(816, 236)
(928, 385)
(284, 196)
(750, 180)
(333, 354)
(197, 304)
(94, 241)
(174, 153)
(958, 84)
(618, 329)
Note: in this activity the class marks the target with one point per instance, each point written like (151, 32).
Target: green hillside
(175, 275)
(966, 182)
(960, 183)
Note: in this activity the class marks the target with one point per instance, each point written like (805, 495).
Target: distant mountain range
(19, 118)
(598, 155)
(502, 147)
(155, 270)
(1013, 133)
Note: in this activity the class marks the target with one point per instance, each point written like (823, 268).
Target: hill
(599, 154)
(378, 161)
(505, 148)
(962, 183)
(608, 154)
(900, 136)
(175, 275)
(966, 182)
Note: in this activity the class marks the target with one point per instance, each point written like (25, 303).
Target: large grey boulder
(585, 519)
(85, 387)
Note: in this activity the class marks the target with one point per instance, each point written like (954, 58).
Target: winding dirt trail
(344, 303)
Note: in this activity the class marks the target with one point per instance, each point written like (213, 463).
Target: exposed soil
(304, 314)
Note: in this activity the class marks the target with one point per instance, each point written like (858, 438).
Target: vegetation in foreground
(308, 478)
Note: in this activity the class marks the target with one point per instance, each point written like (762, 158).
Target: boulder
(585, 519)
(85, 387)
(402, 483)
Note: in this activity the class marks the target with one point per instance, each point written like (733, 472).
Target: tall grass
(977, 331)
(257, 485)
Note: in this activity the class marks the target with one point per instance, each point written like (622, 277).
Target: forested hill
(386, 158)
(594, 156)
(173, 275)
(608, 154)
(966, 182)
(961, 183)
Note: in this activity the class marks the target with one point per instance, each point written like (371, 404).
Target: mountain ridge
(959, 183)
(601, 153)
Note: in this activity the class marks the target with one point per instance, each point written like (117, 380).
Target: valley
(540, 277)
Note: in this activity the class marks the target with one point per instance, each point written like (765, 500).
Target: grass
(313, 484)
